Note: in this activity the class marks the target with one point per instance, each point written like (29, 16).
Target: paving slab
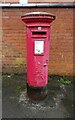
(16, 103)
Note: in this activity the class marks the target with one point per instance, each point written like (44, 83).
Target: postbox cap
(38, 13)
(41, 16)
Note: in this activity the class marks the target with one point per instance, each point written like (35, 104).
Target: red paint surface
(37, 65)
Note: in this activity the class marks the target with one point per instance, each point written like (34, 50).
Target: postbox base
(37, 93)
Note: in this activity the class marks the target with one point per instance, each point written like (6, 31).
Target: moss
(19, 61)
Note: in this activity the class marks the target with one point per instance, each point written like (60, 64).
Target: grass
(64, 81)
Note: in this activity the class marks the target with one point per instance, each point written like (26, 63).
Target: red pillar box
(38, 42)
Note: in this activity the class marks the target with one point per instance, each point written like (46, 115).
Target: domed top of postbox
(37, 17)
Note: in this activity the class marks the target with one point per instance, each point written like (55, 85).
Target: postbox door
(37, 55)
(41, 61)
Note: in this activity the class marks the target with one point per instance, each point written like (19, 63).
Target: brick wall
(9, 1)
(0, 40)
(14, 40)
(49, 1)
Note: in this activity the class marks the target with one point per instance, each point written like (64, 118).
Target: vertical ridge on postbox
(38, 41)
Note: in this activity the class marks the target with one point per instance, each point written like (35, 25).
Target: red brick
(61, 44)
(49, 1)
